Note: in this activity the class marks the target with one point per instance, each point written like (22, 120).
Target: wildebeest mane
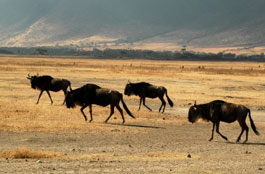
(206, 109)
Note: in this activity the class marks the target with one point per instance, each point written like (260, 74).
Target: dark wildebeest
(92, 94)
(217, 111)
(48, 83)
(144, 90)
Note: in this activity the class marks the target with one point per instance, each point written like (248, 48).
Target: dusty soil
(152, 143)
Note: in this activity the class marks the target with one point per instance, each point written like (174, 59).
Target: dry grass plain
(47, 138)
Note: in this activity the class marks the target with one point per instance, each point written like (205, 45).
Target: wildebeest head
(70, 99)
(128, 89)
(33, 80)
(195, 113)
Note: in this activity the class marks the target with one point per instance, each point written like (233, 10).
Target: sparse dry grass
(239, 82)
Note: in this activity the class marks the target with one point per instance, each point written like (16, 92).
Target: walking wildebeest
(217, 111)
(48, 83)
(144, 90)
(92, 94)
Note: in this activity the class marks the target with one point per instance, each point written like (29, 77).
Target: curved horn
(29, 76)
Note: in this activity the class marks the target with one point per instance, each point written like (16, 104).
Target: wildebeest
(144, 90)
(48, 83)
(93, 94)
(217, 111)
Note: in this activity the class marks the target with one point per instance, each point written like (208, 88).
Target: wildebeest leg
(121, 112)
(49, 96)
(64, 96)
(244, 127)
(163, 104)
(217, 130)
(145, 105)
(246, 135)
(212, 132)
(39, 96)
(82, 111)
(140, 103)
(90, 111)
(111, 112)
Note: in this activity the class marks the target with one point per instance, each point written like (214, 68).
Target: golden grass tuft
(26, 153)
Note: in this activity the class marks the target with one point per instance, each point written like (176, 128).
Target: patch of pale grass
(26, 153)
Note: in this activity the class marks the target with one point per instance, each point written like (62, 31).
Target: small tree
(41, 51)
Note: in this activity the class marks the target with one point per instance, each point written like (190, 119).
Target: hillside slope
(115, 23)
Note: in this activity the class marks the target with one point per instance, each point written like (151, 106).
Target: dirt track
(152, 143)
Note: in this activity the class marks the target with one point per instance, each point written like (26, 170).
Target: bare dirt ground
(47, 138)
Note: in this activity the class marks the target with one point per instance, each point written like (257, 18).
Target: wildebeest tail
(252, 124)
(169, 101)
(69, 85)
(126, 108)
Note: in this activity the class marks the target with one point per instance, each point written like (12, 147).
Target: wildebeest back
(103, 97)
(85, 94)
(230, 111)
(151, 91)
(59, 84)
(138, 88)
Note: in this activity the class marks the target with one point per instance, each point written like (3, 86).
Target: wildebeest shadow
(135, 125)
(247, 143)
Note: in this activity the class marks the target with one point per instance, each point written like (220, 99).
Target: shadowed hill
(198, 23)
